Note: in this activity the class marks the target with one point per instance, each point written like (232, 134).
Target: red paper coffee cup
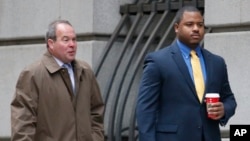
(211, 98)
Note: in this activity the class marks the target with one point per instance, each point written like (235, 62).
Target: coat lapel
(67, 81)
(52, 66)
(78, 72)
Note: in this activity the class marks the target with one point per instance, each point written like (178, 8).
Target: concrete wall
(231, 39)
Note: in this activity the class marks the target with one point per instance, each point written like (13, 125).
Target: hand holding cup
(211, 98)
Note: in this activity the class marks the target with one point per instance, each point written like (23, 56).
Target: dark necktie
(71, 74)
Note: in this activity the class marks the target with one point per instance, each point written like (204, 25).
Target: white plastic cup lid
(212, 95)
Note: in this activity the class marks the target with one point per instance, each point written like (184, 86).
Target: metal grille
(144, 26)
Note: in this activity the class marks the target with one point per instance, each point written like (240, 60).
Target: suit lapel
(208, 65)
(178, 58)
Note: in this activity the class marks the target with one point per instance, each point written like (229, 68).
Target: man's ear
(176, 25)
(51, 43)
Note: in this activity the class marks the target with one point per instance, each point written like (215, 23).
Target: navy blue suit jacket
(168, 108)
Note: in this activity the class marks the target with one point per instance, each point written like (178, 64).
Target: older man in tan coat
(54, 103)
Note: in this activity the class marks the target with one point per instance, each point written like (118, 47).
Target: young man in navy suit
(168, 107)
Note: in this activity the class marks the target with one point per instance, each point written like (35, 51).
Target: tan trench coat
(44, 109)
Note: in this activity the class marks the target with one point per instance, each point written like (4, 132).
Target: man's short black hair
(179, 14)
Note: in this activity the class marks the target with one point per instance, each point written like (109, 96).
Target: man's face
(190, 30)
(65, 46)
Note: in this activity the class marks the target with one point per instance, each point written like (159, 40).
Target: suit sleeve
(227, 97)
(23, 109)
(147, 102)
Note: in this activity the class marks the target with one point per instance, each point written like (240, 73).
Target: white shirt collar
(59, 62)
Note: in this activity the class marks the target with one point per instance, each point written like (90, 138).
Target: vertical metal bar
(136, 67)
(195, 3)
(181, 3)
(166, 34)
(132, 126)
(106, 51)
(121, 105)
(110, 43)
(107, 90)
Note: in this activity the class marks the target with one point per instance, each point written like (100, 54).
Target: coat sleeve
(97, 111)
(147, 102)
(23, 109)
